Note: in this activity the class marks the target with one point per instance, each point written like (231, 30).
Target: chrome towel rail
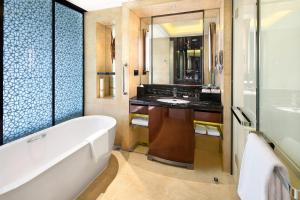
(294, 192)
(124, 77)
(245, 121)
(241, 116)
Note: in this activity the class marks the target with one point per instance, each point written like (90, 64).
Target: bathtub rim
(35, 173)
(56, 126)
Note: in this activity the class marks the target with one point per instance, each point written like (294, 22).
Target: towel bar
(245, 121)
(294, 192)
(241, 116)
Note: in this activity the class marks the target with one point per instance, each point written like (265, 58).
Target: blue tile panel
(68, 63)
(27, 70)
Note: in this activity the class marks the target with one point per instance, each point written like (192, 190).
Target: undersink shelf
(208, 128)
(139, 120)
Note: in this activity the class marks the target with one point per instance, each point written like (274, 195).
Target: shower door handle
(124, 77)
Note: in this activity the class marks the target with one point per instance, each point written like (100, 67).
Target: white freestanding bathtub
(56, 163)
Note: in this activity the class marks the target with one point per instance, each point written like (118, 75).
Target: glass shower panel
(27, 68)
(244, 74)
(279, 75)
(68, 63)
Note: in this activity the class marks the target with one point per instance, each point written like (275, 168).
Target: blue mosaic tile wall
(27, 70)
(68, 63)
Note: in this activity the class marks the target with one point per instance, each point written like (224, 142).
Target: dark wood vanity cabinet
(171, 135)
(215, 117)
(138, 109)
(171, 130)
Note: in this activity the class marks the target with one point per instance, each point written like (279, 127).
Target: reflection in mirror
(177, 54)
(185, 48)
(146, 43)
(213, 62)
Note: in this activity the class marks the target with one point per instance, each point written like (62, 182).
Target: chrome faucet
(174, 92)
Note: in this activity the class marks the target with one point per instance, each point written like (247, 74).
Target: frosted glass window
(280, 74)
(68, 63)
(27, 68)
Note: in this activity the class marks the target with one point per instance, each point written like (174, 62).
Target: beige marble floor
(140, 179)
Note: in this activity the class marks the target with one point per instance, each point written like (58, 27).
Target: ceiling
(144, 8)
(179, 25)
(91, 5)
(185, 28)
(178, 29)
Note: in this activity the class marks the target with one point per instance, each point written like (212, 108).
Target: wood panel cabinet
(138, 109)
(172, 133)
(171, 136)
(215, 117)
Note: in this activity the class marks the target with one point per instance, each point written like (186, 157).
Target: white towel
(140, 121)
(99, 144)
(216, 91)
(257, 178)
(213, 131)
(206, 90)
(200, 129)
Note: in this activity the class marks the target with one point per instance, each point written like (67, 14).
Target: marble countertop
(193, 104)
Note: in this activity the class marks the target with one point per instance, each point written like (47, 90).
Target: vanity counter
(194, 103)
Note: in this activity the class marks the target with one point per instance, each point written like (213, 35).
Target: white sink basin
(174, 101)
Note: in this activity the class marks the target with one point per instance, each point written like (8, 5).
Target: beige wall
(103, 47)
(134, 33)
(226, 87)
(127, 26)
(100, 47)
(161, 63)
(128, 51)
(103, 55)
(94, 105)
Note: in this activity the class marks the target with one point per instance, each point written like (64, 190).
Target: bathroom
(150, 99)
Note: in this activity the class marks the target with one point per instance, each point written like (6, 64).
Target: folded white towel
(257, 178)
(213, 131)
(204, 90)
(140, 121)
(99, 144)
(200, 129)
(216, 91)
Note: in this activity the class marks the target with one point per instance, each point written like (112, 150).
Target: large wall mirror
(183, 48)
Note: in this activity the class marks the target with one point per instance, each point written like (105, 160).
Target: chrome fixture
(294, 192)
(241, 116)
(244, 121)
(35, 138)
(174, 92)
(124, 81)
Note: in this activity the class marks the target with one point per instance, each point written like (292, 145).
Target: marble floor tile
(140, 179)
